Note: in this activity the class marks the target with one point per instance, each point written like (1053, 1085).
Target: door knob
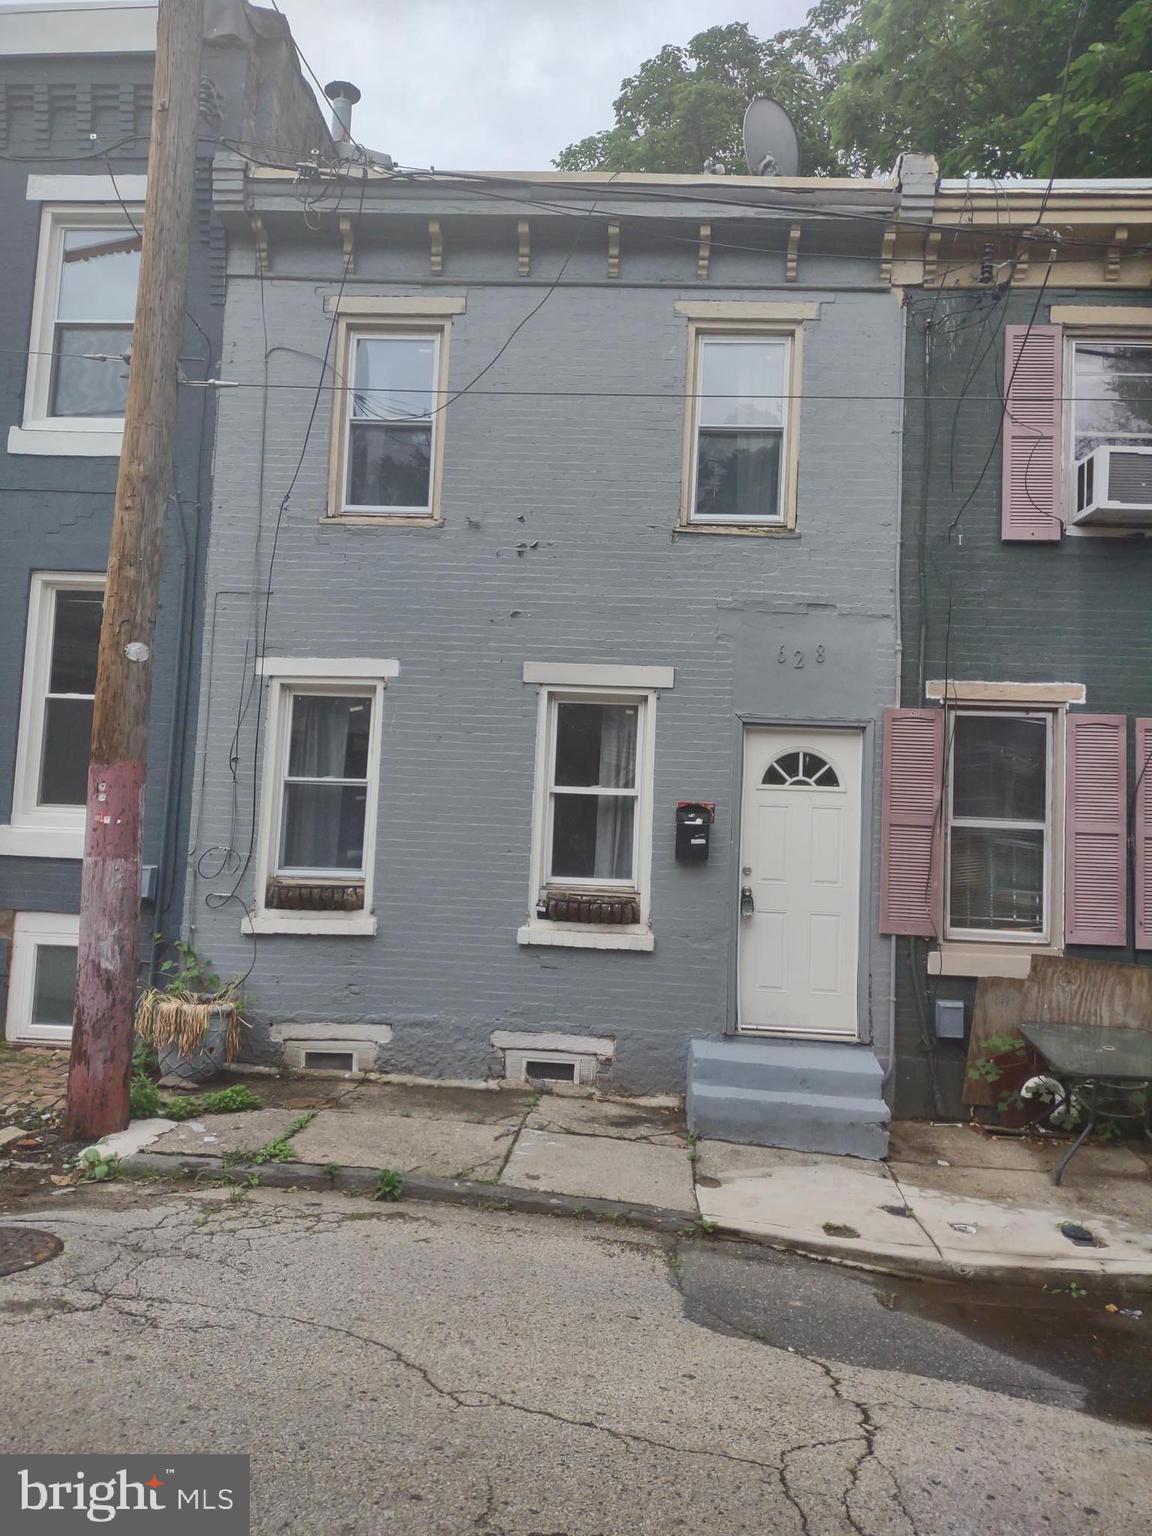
(747, 905)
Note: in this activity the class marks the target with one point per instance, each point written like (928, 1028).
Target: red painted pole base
(100, 1069)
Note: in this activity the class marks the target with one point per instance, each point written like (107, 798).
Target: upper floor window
(388, 442)
(51, 784)
(84, 305)
(1112, 395)
(741, 421)
(95, 307)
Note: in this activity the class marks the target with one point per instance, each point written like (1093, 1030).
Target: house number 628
(797, 657)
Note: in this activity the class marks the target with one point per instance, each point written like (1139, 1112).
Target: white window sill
(586, 936)
(364, 519)
(41, 1034)
(1011, 960)
(312, 924)
(65, 442)
(744, 530)
(42, 842)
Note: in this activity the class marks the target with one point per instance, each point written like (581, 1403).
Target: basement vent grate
(543, 1070)
(330, 1061)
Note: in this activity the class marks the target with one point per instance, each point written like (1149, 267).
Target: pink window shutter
(910, 821)
(1032, 438)
(1143, 834)
(1096, 830)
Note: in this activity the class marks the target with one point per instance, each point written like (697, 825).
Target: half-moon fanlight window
(801, 770)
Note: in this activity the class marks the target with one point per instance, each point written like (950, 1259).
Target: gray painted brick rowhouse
(559, 543)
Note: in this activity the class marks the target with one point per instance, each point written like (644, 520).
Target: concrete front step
(812, 1096)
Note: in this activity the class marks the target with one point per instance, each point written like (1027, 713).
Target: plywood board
(1062, 991)
(999, 1010)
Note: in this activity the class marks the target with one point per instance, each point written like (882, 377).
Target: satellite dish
(770, 144)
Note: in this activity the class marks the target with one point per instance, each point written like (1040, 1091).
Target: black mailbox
(694, 820)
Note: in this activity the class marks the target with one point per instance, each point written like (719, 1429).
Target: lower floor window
(593, 791)
(593, 830)
(324, 791)
(321, 785)
(42, 977)
(999, 823)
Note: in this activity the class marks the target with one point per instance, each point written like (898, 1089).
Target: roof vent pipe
(343, 95)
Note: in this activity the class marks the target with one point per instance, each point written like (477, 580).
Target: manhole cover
(23, 1247)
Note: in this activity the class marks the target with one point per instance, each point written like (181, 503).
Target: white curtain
(314, 814)
(616, 813)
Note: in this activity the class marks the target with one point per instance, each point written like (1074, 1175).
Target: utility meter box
(949, 1019)
(694, 820)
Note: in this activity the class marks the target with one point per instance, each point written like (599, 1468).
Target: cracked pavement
(444, 1370)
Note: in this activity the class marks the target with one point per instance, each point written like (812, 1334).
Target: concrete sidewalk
(952, 1201)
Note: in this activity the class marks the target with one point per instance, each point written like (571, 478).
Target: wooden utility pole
(102, 1036)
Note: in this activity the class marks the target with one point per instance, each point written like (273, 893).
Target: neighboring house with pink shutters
(1017, 794)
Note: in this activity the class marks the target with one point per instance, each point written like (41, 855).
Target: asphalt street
(420, 1369)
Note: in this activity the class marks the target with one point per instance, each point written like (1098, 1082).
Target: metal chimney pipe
(343, 95)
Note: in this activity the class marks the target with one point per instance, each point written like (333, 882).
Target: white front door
(800, 881)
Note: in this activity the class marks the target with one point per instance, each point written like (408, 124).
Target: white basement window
(51, 782)
(550, 1067)
(83, 310)
(42, 977)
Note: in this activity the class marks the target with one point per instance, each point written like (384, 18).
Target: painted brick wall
(557, 545)
(56, 513)
(1074, 611)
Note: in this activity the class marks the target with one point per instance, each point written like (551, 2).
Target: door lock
(747, 905)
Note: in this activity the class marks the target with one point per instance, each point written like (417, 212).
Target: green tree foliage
(1107, 125)
(978, 83)
(687, 104)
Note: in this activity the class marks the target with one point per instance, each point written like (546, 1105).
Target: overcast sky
(498, 84)
(493, 85)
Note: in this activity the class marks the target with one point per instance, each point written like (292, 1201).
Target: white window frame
(353, 329)
(1042, 936)
(39, 432)
(705, 332)
(552, 790)
(37, 831)
(287, 677)
(1072, 342)
(628, 936)
(318, 874)
(29, 932)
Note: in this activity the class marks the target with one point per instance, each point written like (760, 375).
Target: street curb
(921, 1267)
(362, 1181)
(670, 1223)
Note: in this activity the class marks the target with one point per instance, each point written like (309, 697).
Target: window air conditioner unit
(1114, 485)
